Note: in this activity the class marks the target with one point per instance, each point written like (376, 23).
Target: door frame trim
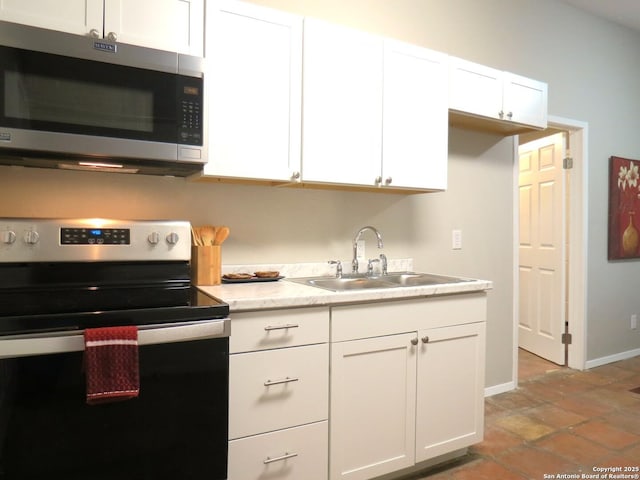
(577, 216)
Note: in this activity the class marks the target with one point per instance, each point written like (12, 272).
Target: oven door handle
(62, 342)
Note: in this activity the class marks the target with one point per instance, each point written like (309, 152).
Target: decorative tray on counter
(249, 278)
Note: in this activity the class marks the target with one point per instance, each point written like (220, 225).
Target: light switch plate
(456, 239)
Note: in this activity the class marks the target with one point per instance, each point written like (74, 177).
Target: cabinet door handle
(286, 455)
(278, 382)
(425, 339)
(414, 341)
(268, 328)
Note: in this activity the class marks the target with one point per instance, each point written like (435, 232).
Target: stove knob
(31, 237)
(8, 237)
(154, 238)
(173, 238)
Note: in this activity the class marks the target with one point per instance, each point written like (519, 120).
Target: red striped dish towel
(111, 364)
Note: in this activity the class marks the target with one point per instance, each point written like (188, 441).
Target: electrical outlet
(634, 321)
(456, 239)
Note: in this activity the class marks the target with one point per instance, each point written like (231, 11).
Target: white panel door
(173, 25)
(525, 100)
(373, 395)
(450, 408)
(415, 117)
(254, 83)
(72, 16)
(475, 89)
(542, 236)
(342, 105)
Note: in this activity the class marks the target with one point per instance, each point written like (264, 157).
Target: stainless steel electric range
(61, 277)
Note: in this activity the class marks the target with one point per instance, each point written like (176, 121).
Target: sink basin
(410, 279)
(350, 283)
(392, 280)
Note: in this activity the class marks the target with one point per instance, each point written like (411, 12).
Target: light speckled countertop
(285, 294)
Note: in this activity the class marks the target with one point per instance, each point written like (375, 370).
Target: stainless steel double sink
(391, 280)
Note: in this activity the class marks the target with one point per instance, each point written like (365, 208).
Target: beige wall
(591, 67)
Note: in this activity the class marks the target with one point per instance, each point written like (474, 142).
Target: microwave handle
(63, 342)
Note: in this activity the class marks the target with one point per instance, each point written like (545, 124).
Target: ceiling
(624, 12)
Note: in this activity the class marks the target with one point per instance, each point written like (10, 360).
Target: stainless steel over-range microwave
(68, 101)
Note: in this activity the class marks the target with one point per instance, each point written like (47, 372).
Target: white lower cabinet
(450, 389)
(279, 395)
(298, 453)
(277, 389)
(373, 400)
(407, 383)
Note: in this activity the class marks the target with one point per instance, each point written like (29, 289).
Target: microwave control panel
(190, 111)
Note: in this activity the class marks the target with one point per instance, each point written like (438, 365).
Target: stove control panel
(95, 236)
(93, 239)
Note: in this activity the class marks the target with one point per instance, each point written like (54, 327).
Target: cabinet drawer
(278, 328)
(277, 389)
(293, 454)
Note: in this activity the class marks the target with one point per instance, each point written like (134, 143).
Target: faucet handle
(370, 265)
(383, 263)
(338, 265)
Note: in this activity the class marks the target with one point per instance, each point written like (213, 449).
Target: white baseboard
(502, 388)
(612, 358)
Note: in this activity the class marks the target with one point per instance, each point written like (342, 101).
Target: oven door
(175, 429)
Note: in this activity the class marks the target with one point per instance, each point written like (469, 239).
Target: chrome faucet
(354, 262)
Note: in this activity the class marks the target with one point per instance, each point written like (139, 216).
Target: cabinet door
(342, 105)
(72, 16)
(173, 25)
(276, 389)
(415, 118)
(298, 453)
(450, 405)
(254, 83)
(525, 100)
(475, 89)
(373, 394)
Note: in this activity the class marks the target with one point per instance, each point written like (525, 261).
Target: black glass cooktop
(198, 307)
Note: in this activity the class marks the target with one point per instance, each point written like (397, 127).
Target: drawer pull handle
(278, 382)
(286, 455)
(281, 327)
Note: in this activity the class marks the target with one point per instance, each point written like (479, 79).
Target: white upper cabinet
(517, 103)
(524, 100)
(253, 85)
(415, 113)
(342, 105)
(174, 25)
(72, 16)
(374, 111)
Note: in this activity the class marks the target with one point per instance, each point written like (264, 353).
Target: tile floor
(559, 422)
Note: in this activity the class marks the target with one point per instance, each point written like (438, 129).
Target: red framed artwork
(624, 208)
